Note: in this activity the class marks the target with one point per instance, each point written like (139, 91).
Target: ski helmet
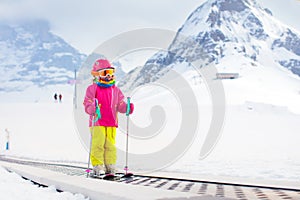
(101, 64)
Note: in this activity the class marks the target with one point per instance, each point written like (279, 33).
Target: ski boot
(98, 170)
(110, 169)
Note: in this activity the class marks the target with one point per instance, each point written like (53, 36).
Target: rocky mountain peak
(218, 29)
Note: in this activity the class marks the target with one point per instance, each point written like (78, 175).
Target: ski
(103, 176)
(113, 177)
(124, 175)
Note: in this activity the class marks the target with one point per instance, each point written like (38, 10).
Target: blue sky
(86, 24)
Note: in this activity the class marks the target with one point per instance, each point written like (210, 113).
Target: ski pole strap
(128, 106)
(98, 113)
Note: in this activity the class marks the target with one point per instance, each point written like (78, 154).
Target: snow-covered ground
(12, 186)
(38, 128)
(259, 140)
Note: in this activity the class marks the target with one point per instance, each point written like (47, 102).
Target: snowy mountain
(222, 30)
(31, 55)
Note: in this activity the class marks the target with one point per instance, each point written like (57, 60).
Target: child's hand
(131, 108)
(91, 109)
(122, 108)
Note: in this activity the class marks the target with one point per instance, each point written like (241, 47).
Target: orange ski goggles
(104, 72)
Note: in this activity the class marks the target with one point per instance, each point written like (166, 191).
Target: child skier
(103, 100)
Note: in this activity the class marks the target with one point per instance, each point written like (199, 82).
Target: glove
(131, 108)
(90, 107)
(122, 108)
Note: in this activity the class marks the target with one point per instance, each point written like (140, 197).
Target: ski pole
(91, 138)
(127, 133)
(98, 113)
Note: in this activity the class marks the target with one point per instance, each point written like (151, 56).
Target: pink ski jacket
(110, 100)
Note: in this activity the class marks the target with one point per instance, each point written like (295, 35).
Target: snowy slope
(254, 135)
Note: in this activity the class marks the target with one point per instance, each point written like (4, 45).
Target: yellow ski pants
(103, 149)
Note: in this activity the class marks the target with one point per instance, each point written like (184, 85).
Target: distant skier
(55, 97)
(60, 97)
(102, 102)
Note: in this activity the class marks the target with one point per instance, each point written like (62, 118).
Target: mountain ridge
(32, 55)
(217, 29)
